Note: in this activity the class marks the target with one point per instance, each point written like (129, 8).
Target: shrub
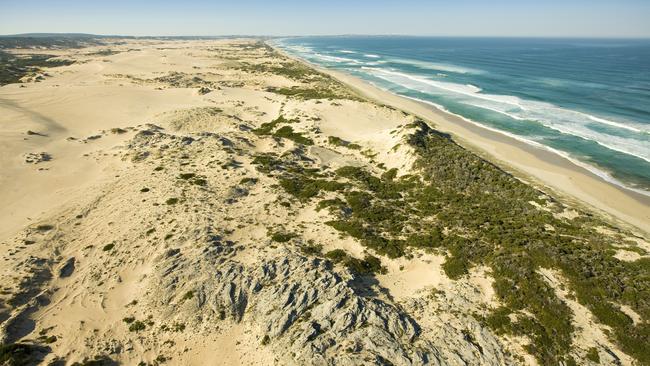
(305, 188)
(288, 133)
(369, 265)
(20, 354)
(337, 141)
(282, 237)
(312, 249)
(336, 255)
(186, 176)
(200, 182)
(592, 355)
(267, 128)
(137, 326)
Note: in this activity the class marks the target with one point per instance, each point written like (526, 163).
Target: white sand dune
(146, 236)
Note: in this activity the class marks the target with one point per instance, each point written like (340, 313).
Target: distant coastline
(604, 131)
(539, 165)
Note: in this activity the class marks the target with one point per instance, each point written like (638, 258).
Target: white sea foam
(469, 90)
(598, 172)
(559, 119)
(562, 120)
(611, 123)
(334, 58)
(346, 51)
(369, 55)
(436, 66)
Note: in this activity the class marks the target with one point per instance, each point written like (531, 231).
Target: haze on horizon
(524, 18)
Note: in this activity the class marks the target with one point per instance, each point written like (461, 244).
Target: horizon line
(49, 34)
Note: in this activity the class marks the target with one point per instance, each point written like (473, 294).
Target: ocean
(586, 99)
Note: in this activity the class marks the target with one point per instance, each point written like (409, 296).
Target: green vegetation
(48, 339)
(266, 340)
(178, 327)
(21, 354)
(172, 201)
(307, 93)
(337, 141)
(290, 69)
(282, 237)
(336, 255)
(99, 360)
(369, 265)
(288, 133)
(193, 178)
(137, 326)
(50, 40)
(477, 214)
(312, 249)
(108, 247)
(188, 295)
(268, 127)
(491, 222)
(307, 188)
(315, 85)
(248, 180)
(160, 359)
(14, 67)
(593, 356)
(44, 227)
(186, 176)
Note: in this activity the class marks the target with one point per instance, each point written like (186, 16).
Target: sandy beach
(535, 165)
(193, 202)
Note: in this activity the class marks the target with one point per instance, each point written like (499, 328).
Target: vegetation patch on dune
(478, 214)
(337, 141)
(268, 127)
(14, 67)
(368, 265)
(313, 84)
(288, 133)
(308, 92)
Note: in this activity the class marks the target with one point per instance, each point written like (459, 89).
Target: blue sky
(577, 18)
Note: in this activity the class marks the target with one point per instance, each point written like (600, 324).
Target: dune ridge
(215, 202)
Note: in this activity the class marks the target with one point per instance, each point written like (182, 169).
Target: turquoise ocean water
(586, 99)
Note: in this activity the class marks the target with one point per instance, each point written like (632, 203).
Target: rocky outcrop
(310, 313)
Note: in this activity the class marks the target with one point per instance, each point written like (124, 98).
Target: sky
(511, 18)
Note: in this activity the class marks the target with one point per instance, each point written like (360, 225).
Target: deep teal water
(588, 100)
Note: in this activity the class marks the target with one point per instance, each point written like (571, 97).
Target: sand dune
(163, 230)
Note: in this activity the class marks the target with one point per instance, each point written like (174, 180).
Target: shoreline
(538, 166)
(205, 175)
(602, 174)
